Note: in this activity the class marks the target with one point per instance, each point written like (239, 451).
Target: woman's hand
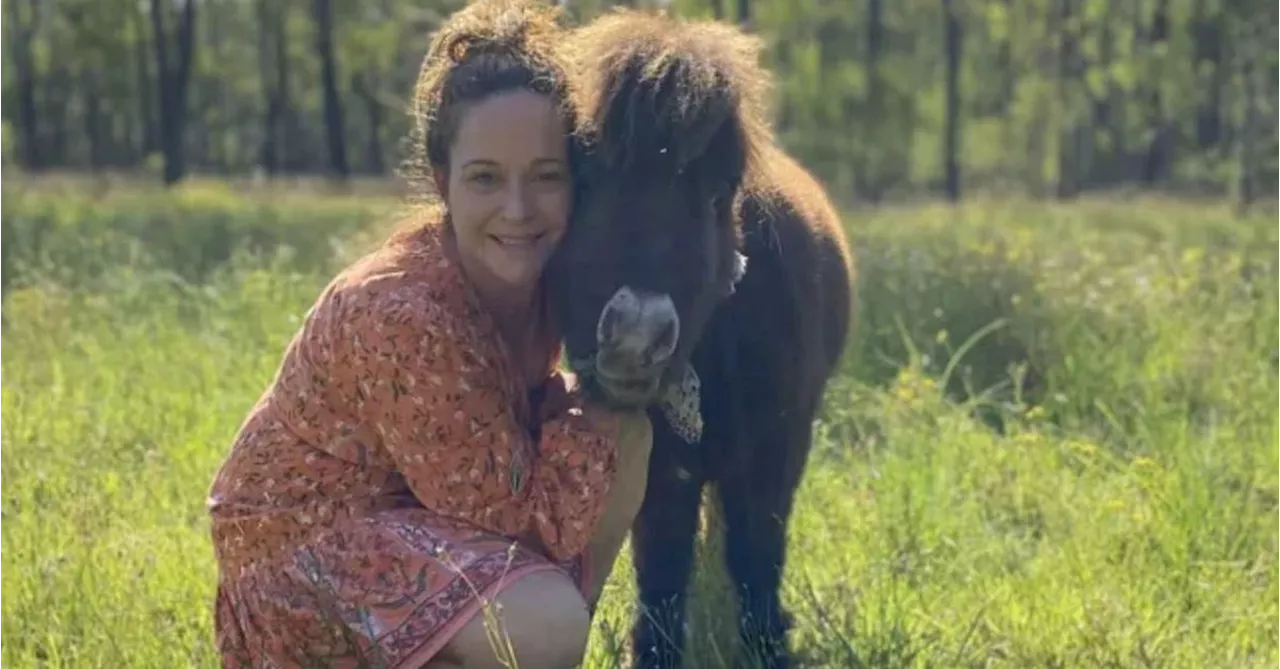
(563, 394)
(558, 396)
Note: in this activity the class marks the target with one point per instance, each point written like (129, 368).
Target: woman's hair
(484, 49)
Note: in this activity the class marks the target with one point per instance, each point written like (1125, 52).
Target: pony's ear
(736, 272)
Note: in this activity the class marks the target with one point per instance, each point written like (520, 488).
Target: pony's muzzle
(636, 335)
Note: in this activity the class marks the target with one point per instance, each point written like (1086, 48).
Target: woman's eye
(484, 178)
(550, 177)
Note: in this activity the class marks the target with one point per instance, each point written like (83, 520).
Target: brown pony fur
(680, 169)
(688, 80)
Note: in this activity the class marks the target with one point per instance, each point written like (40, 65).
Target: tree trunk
(54, 143)
(273, 54)
(334, 131)
(1248, 53)
(1069, 128)
(366, 88)
(871, 169)
(1207, 31)
(20, 36)
(146, 103)
(1153, 165)
(172, 80)
(951, 133)
(92, 119)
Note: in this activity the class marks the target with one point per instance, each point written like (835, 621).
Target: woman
(417, 456)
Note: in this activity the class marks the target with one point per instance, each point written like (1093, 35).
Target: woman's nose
(515, 206)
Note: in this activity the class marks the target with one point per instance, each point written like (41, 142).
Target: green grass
(1054, 443)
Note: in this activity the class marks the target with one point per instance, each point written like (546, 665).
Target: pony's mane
(688, 82)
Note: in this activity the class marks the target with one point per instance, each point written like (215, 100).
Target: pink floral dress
(391, 477)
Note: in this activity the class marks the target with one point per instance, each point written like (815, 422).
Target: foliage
(1055, 96)
(1116, 506)
(75, 230)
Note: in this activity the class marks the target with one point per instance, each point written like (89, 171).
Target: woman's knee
(541, 620)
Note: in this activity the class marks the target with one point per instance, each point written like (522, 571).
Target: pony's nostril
(617, 316)
(664, 344)
(608, 329)
(637, 329)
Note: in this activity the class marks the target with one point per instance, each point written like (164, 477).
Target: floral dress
(391, 478)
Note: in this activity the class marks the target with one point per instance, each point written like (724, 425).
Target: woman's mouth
(518, 241)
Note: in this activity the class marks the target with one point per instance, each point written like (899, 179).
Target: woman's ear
(442, 184)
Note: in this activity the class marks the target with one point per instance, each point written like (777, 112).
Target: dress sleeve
(448, 424)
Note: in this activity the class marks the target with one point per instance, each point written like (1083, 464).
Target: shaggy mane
(686, 79)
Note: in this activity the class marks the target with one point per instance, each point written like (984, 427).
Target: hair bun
(505, 27)
(465, 46)
(485, 48)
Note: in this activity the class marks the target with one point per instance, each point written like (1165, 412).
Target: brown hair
(484, 49)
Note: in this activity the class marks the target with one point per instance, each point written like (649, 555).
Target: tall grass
(1054, 442)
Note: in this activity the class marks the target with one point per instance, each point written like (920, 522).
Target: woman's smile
(508, 189)
(518, 240)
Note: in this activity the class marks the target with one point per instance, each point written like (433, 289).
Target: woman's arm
(446, 420)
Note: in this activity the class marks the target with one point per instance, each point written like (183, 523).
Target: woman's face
(508, 188)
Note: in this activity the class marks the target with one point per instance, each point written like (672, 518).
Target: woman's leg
(542, 617)
(625, 497)
(538, 622)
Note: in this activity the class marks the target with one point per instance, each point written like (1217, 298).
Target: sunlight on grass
(1094, 482)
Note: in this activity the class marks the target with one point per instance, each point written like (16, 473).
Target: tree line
(881, 99)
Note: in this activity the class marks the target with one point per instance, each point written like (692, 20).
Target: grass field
(1055, 443)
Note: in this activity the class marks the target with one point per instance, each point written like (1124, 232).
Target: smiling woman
(508, 186)
(508, 191)
(417, 455)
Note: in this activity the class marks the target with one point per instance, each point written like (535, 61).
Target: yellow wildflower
(1143, 462)
(1083, 447)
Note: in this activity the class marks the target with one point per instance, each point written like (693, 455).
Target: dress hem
(427, 651)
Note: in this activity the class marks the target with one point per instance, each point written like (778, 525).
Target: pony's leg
(757, 500)
(662, 549)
